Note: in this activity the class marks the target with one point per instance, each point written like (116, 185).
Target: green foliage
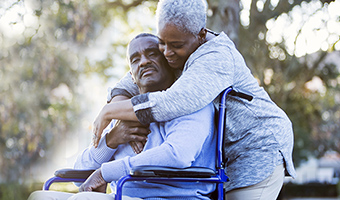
(309, 190)
(15, 191)
(287, 77)
(45, 47)
(41, 65)
(38, 99)
(37, 103)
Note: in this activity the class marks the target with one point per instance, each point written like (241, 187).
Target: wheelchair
(167, 174)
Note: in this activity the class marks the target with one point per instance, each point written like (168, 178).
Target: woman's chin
(176, 66)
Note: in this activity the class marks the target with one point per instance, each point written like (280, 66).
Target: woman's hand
(128, 132)
(94, 183)
(122, 110)
(99, 124)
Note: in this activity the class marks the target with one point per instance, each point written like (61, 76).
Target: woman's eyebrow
(172, 42)
(177, 42)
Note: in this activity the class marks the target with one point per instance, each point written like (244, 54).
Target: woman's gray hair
(187, 15)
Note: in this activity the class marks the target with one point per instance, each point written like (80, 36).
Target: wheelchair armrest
(73, 173)
(160, 171)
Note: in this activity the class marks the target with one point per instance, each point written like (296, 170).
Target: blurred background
(58, 57)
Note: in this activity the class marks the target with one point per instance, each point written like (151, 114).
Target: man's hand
(137, 146)
(94, 183)
(128, 132)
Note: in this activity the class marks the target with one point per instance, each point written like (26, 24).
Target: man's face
(149, 68)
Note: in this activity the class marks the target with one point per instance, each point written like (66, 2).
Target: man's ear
(133, 80)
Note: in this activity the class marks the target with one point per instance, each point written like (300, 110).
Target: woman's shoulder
(215, 51)
(221, 41)
(220, 44)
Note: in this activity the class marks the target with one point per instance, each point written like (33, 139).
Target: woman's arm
(122, 110)
(122, 91)
(202, 81)
(207, 74)
(125, 87)
(175, 151)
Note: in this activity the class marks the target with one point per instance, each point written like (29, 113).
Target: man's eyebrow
(152, 49)
(134, 55)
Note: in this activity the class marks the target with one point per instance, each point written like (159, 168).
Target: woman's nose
(167, 51)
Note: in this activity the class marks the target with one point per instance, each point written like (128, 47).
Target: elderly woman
(259, 135)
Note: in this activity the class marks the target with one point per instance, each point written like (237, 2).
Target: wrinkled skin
(94, 183)
(130, 132)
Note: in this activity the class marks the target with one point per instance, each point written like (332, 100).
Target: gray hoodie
(259, 134)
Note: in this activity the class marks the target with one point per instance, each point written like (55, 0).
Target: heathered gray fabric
(126, 84)
(258, 133)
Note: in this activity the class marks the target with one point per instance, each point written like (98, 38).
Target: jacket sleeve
(199, 85)
(124, 87)
(91, 157)
(175, 151)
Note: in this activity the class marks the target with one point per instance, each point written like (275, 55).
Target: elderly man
(167, 144)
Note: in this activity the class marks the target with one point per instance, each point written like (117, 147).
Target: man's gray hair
(187, 15)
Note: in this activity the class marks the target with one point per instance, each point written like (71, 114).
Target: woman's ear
(202, 35)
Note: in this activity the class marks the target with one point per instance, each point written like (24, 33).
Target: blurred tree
(56, 43)
(39, 76)
(278, 68)
(45, 47)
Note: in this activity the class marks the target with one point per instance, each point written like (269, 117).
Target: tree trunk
(225, 17)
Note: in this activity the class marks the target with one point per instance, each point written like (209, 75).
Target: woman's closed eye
(178, 45)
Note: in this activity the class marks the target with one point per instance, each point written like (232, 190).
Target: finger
(140, 131)
(97, 141)
(134, 147)
(137, 138)
(137, 147)
(136, 124)
(96, 137)
(84, 188)
(140, 147)
(81, 188)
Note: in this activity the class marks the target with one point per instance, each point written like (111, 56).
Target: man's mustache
(142, 69)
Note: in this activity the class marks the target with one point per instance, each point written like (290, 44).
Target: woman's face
(177, 45)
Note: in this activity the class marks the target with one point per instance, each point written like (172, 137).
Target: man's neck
(150, 89)
(156, 87)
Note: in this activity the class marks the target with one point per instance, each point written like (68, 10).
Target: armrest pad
(160, 171)
(73, 173)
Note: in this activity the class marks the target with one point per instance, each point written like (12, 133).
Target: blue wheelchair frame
(165, 174)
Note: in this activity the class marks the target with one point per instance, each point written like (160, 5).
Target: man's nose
(144, 60)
